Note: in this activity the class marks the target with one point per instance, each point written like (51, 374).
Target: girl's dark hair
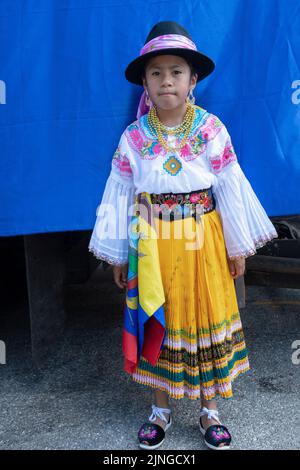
(193, 71)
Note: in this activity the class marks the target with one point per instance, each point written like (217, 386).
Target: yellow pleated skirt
(204, 348)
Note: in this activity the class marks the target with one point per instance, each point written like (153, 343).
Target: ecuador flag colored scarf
(144, 322)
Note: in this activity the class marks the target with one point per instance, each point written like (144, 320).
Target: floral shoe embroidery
(148, 431)
(220, 433)
(215, 435)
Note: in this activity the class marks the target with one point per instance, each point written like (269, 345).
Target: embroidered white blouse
(207, 159)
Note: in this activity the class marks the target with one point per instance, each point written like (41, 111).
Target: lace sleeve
(109, 240)
(246, 225)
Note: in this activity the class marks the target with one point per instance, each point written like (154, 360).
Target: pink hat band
(168, 41)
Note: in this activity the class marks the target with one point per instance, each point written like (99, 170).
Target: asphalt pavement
(82, 399)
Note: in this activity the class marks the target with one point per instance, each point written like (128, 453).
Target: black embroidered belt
(173, 206)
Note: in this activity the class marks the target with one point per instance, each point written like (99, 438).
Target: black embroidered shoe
(152, 435)
(217, 433)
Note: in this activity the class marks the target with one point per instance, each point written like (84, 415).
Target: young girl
(176, 165)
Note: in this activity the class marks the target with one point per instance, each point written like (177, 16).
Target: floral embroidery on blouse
(205, 127)
(121, 163)
(211, 127)
(218, 162)
(147, 148)
(193, 148)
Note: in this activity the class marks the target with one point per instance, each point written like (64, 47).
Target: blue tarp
(65, 101)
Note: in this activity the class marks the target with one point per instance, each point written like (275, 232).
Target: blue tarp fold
(65, 101)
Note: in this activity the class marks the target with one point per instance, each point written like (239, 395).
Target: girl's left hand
(236, 267)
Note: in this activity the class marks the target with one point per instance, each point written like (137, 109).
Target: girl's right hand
(237, 267)
(120, 275)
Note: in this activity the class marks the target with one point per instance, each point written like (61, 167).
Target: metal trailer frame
(58, 261)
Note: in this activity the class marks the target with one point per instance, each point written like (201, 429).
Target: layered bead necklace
(158, 128)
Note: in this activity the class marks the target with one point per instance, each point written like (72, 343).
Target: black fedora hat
(202, 64)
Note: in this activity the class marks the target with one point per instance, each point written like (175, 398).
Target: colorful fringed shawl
(144, 322)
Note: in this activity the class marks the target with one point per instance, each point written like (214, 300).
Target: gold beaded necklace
(158, 128)
(182, 127)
